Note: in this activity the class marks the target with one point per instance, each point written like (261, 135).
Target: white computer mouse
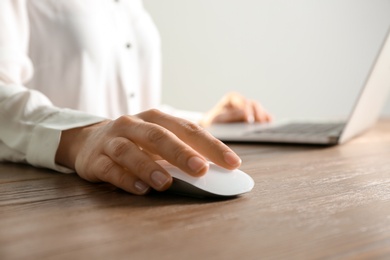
(217, 182)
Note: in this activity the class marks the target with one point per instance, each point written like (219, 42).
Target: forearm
(30, 126)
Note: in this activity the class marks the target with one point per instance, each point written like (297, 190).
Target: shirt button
(128, 45)
(132, 95)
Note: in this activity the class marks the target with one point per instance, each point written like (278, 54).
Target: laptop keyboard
(325, 129)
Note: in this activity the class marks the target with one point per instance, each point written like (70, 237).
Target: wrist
(68, 147)
(71, 142)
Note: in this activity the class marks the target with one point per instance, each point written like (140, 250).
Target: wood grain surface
(308, 203)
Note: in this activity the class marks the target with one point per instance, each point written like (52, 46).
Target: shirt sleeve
(30, 126)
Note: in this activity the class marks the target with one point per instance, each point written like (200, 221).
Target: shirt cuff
(46, 137)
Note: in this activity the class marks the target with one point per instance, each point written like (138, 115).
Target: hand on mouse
(123, 151)
(234, 107)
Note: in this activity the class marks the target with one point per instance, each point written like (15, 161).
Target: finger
(107, 170)
(250, 113)
(158, 140)
(239, 102)
(230, 116)
(235, 99)
(196, 137)
(161, 141)
(260, 114)
(120, 150)
(231, 100)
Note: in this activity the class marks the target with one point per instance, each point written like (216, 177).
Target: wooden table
(308, 203)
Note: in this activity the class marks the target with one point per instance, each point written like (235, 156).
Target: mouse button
(181, 175)
(217, 181)
(218, 169)
(227, 184)
(177, 173)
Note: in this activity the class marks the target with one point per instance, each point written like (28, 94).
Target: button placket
(127, 55)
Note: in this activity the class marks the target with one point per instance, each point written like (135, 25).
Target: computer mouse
(217, 182)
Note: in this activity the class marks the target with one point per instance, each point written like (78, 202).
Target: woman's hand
(123, 151)
(233, 107)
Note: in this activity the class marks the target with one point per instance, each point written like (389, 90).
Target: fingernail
(196, 164)
(141, 186)
(159, 179)
(232, 159)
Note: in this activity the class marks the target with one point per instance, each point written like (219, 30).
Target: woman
(68, 68)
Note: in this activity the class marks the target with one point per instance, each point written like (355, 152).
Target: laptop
(364, 115)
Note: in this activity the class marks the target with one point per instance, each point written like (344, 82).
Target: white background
(299, 58)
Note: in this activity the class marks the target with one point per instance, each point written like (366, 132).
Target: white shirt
(71, 63)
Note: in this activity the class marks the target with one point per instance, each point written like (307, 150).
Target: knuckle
(154, 113)
(156, 134)
(122, 180)
(140, 167)
(180, 154)
(123, 121)
(106, 167)
(118, 148)
(216, 143)
(192, 128)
